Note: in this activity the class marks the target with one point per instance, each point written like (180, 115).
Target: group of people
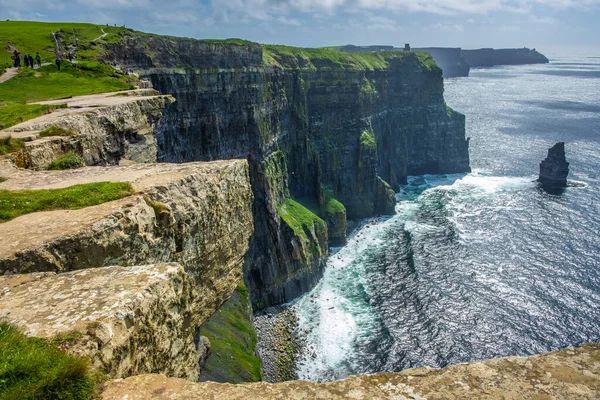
(29, 60)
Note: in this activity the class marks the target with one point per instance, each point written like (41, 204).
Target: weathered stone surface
(105, 128)
(128, 320)
(554, 169)
(566, 374)
(197, 214)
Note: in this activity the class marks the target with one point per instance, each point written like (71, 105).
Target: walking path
(10, 73)
(101, 36)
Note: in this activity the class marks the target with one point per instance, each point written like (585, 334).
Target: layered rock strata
(307, 125)
(133, 319)
(565, 374)
(554, 169)
(127, 320)
(103, 129)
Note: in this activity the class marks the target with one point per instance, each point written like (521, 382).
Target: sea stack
(555, 168)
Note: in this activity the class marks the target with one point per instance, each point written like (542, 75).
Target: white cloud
(443, 7)
(288, 21)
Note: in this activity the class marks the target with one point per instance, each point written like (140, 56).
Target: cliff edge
(565, 374)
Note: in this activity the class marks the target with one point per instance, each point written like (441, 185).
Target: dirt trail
(101, 36)
(10, 73)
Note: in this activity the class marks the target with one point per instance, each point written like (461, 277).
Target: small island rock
(555, 168)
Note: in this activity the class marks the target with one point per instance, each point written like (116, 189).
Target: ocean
(479, 265)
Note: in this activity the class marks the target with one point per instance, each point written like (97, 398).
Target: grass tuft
(367, 140)
(53, 130)
(68, 160)
(18, 202)
(3, 179)
(10, 145)
(298, 217)
(35, 369)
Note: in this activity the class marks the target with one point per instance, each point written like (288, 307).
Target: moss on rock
(233, 342)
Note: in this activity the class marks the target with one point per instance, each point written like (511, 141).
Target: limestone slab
(128, 320)
(562, 375)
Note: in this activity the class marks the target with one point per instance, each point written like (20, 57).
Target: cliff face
(457, 62)
(309, 127)
(449, 59)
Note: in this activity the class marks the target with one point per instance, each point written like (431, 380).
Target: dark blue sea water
(480, 265)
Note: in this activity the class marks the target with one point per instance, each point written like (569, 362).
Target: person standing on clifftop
(38, 59)
(58, 61)
(17, 58)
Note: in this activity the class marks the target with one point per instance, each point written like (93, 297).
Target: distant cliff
(491, 57)
(458, 62)
(319, 127)
(449, 59)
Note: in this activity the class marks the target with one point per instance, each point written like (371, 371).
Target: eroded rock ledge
(565, 374)
(83, 271)
(127, 320)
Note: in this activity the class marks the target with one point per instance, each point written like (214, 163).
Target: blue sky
(552, 26)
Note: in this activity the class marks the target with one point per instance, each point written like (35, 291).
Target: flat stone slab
(561, 375)
(127, 320)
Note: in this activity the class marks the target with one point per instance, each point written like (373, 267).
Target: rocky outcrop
(241, 100)
(128, 321)
(103, 129)
(59, 273)
(565, 374)
(198, 215)
(554, 169)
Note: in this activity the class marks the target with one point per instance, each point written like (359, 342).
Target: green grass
(72, 80)
(10, 145)
(56, 131)
(68, 160)
(30, 37)
(14, 113)
(329, 206)
(48, 83)
(333, 59)
(18, 202)
(367, 139)
(3, 179)
(35, 369)
(298, 217)
(233, 342)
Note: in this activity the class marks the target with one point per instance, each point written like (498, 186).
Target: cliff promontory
(318, 127)
(457, 62)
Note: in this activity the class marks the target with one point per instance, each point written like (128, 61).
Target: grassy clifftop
(30, 37)
(327, 58)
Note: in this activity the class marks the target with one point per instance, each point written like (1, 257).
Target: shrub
(32, 369)
(68, 160)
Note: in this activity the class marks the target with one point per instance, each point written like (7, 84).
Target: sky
(551, 26)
